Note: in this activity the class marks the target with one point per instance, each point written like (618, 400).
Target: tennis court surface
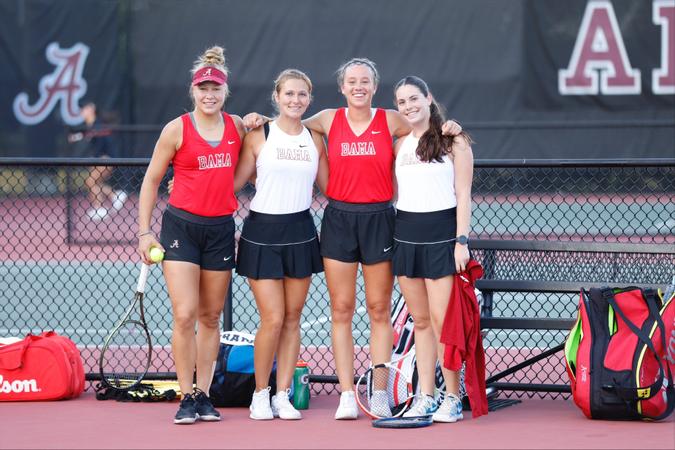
(535, 423)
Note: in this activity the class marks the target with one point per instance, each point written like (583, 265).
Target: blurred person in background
(99, 144)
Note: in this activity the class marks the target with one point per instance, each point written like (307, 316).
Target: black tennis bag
(233, 379)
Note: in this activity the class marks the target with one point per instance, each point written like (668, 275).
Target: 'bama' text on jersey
(214, 161)
(357, 149)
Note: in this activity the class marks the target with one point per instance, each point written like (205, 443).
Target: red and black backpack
(620, 354)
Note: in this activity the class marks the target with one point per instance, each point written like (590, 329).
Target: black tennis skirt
(424, 244)
(274, 246)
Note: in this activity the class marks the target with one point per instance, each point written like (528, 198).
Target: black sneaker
(187, 411)
(204, 407)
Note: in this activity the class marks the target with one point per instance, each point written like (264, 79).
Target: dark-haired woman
(433, 174)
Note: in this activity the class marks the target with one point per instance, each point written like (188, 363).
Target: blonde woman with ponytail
(279, 248)
(197, 232)
(433, 213)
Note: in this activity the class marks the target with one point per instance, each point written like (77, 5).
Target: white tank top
(423, 186)
(286, 168)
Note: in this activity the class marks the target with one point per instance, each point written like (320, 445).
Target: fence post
(69, 207)
(227, 309)
(488, 274)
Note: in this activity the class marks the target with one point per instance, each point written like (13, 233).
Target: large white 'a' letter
(599, 62)
(663, 78)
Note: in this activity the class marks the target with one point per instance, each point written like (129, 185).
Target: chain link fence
(71, 266)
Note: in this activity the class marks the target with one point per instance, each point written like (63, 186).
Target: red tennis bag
(44, 367)
(620, 354)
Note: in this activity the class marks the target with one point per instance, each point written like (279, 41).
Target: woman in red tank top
(353, 185)
(204, 147)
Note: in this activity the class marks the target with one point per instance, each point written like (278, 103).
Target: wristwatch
(462, 239)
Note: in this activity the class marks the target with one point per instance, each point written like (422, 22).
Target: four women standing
(278, 249)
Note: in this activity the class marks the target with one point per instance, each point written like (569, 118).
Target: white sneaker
(423, 405)
(379, 404)
(347, 409)
(450, 410)
(282, 408)
(260, 405)
(97, 213)
(118, 198)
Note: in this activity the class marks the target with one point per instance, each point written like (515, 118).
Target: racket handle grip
(142, 278)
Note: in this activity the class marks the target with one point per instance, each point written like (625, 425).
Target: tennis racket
(386, 390)
(127, 350)
(404, 422)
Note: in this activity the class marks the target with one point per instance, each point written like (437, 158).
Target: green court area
(84, 300)
(79, 299)
(586, 218)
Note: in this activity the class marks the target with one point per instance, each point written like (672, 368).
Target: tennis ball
(156, 254)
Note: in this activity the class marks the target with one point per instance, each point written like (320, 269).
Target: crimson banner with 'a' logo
(544, 79)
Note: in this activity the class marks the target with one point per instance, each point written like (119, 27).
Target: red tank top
(360, 167)
(204, 175)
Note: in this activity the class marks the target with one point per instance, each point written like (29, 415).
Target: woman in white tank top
(433, 174)
(278, 248)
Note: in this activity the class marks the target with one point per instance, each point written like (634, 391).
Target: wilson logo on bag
(619, 354)
(18, 386)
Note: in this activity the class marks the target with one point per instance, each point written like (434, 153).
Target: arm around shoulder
(321, 121)
(398, 126)
(250, 147)
(239, 123)
(322, 172)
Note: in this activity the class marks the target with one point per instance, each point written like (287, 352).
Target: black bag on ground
(233, 379)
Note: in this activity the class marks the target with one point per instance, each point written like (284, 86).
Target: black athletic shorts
(274, 246)
(205, 241)
(358, 232)
(424, 244)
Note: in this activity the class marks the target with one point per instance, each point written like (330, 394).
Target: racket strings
(127, 354)
(384, 392)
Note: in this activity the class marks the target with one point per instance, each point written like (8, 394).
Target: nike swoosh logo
(231, 142)
(387, 249)
(376, 132)
(227, 258)
(303, 146)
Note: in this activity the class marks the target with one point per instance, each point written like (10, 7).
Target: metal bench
(552, 267)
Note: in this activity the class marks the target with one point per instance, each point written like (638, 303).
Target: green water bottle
(301, 385)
